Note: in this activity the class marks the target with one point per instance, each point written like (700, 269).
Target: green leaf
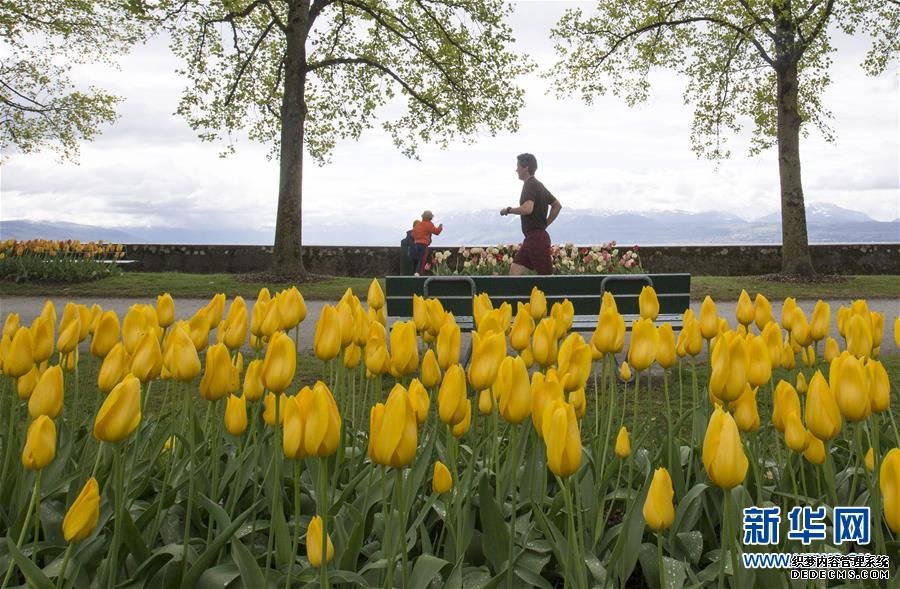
(33, 575)
(218, 577)
(212, 550)
(215, 510)
(495, 540)
(691, 544)
(427, 567)
(251, 573)
(282, 538)
(133, 539)
(625, 554)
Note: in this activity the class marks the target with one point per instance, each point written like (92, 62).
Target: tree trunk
(287, 257)
(794, 239)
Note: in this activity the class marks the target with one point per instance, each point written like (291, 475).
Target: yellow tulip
(659, 510)
(404, 348)
(897, 332)
(452, 399)
(693, 338)
(420, 313)
(625, 372)
(802, 387)
(665, 348)
(746, 411)
(220, 376)
(563, 313)
(823, 417)
(745, 311)
(375, 296)
(253, 382)
(183, 361)
(42, 338)
(292, 308)
(352, 356)
(280, 363)
(84, 319)
(360, 326)
(314, 550)
(47, 397)
(271, 317)
(420, 400)
(648, 303)
(537, 304)
(870, 460)
(134, 326)
(574, 359)
(460, 429)
(859, 335)
(522, 328)
(788, 356)
(562, 437)
(113, 368)
(481, 305)
(236, 324)
(794, 433)
(815, 449)
(487, 354)
(786, 400)
(11, 325)
(723, 456)
(25, 384)
(81, 518)
(269, 415)
(709, 319)
(447, 344)
(296, 410)
(120, 413)
(729, 367)
(605, 335)
(623, 443)
(106, 334)
(821, 321)
(146, 364)
(236, 415)
(762, 312)
(431, 372)
(165, 309)
(787, 312)
(322, 430)
(485, 402)
(68, 336)
(832, 350)
(327, 339)
(394, 431)
(20, 358)
(436, 316)
(40, 443)
(759, 369)
(515, 401)
(344, 311)
(771, 335)
(378, 360)
(879, 386)
(851, 390)
(441, 481)
(544, 342)
(889, 481)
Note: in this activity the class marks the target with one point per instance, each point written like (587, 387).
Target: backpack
(408, 243)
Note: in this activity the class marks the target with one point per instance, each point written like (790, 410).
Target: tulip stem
(857, 440)
(11, 436)
(34, 498)
(513, 471)
(323, 510)
(726, 538)
(296, 540)
(276, 481)
(401, 509)
(874, 486)
(61, 580)
(659, 560)
(189, 417)
(386, 509)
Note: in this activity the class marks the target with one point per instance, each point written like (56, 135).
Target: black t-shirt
(533, 190)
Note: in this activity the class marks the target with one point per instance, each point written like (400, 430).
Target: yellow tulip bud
(515, 401)
(821, 321)
(447, 344)
(431, 372)
(762, 312)
(253, 383)
(404, 348)
(68, 336)
(236, 324)
(851, 390)
(236, 415)
(81, 518)
(787, 312)
(481, 305)
(269, 408)
(485, 402)
(889, 482)
(487, 354)
(745, 311)
(146, 364)
(815, 449)
(578, 400)
(823, 417)
(648, 303)
(625, 372)
(746, 411)
(544, 342)
(786, 400)
(460, 429)
(47, 397)
(523, 327)
(794, 433)
(562, 313)
(20, 359)
(659, 510)
(879, 386)
(134, 326)
(220, 376)
(537, 304)
(113, 368)
(870, 460)
(378, 361)
(644, 343)
(25, 384)
(394, 431)
(788, 357)
(322, 430)
(897, 332)
(441, 481)
(11, 325)
(562, 437)
(606, 334)
(107, 334)
(40, 443)
(452, 399)
(759, 369)
(623, 443)
(375, 296)
(120, 413)
(709, 319)
(42, 338)
(181, 355)
(859, 335)
(665, 349)
(280, 363)
(723, 456)
(314, 544)
(420, 400)
(165, 309)
(832, 350)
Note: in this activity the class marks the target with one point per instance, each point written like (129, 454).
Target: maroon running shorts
(535, 252)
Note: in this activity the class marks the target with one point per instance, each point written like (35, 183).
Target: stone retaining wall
(730, 260)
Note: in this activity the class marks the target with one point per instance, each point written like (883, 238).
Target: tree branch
(246, 62)
(449, 37)
(315, 10)
(820, 26)
(384, 69)
(758, 20)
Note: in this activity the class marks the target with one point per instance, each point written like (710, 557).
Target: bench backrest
(585, 291)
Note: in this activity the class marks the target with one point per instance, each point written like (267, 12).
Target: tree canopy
(763, 63)
(40, 106)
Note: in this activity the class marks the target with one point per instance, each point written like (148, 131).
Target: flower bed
(567, 259)
(58, 261)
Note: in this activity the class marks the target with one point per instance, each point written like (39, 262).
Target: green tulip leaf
(427, 567)
(251, 573)
(495, 530)
(133, 539)
(219, 515)
(689, 508)
(357, 536)
(340, 576)
(691, 544)
(33, 575)
(625, 553)
(208, 556)
(219, 577)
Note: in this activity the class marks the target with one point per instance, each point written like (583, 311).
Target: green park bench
(585, 291)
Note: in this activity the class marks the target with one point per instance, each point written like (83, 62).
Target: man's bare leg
(517, 269)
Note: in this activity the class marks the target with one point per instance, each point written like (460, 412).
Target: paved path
(29, 307)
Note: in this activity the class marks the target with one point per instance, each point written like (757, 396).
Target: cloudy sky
(150, 169)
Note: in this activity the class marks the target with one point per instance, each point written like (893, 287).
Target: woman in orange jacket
(422, 233)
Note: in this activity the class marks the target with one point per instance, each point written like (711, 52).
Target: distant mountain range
(827, 223)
